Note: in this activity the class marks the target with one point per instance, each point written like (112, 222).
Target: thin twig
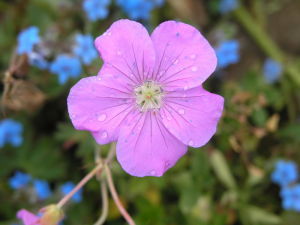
(105, 205)
(67, 197)
(115, 196)
(97, 169)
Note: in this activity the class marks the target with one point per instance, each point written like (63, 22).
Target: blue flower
(285, 173)
(272, 70)
(11, 132)
(19, 180)
(291, 198)
(96, 9)
(42, 189)
(85, 49)
(68, 187)
(139, 9)
(228, 53)
(38, 61)
(226, 6)
(27, 39)
(65, 67)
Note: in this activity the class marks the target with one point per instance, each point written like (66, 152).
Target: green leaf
(258, 216)
(222, 170)
(291, 132)
(259, 117)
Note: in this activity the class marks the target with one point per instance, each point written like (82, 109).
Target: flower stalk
(265, 42)
(91, 174)
(115, 196)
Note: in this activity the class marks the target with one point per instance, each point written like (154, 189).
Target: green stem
(265, 42)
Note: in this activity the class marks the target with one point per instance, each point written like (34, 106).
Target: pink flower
(148, 95)
(27, 217)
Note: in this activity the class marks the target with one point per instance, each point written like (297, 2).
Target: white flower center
(149, 96)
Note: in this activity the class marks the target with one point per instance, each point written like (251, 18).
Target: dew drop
(181, 111)
(193, 56)
(104, 135)
(99, 78)
(194, 68)
(102, 117)
(191, 143)
(169, 118)
(175, 62)
(119, 53)
(167, 165)
(152, 173)
(217, 114)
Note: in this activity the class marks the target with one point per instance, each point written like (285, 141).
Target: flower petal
(127, 47)
(184, 57)
(192, 115)
(146, 148)
(27, 217)
(100, 105)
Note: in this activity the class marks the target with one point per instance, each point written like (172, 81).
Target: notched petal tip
(192, 57)
(139, 171)
(129, 25)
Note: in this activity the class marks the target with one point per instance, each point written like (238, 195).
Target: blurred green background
(226, 182)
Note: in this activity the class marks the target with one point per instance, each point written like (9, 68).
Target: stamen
(149, 96)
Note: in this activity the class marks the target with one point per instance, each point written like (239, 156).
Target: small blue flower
(291, 198)
(85, 49)
(228, 53)
(65, 67)
(226, 6)
(19, 180)
(38, 61)
(96, 9)
(42, 189)
(285, 173)
(272, 70)
(27, 39)
(68, 187)
(11, 132)
(139, 9)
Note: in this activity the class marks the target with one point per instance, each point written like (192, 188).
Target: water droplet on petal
(102, 117)
(191, 143)
(104, 135)
(193, 56)
(167, 165)
(217, 114)
(176, 62)
(169, 118)
(99, 78)
(119, 53)
(194, 68)
(152, 173)
(181, 111)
